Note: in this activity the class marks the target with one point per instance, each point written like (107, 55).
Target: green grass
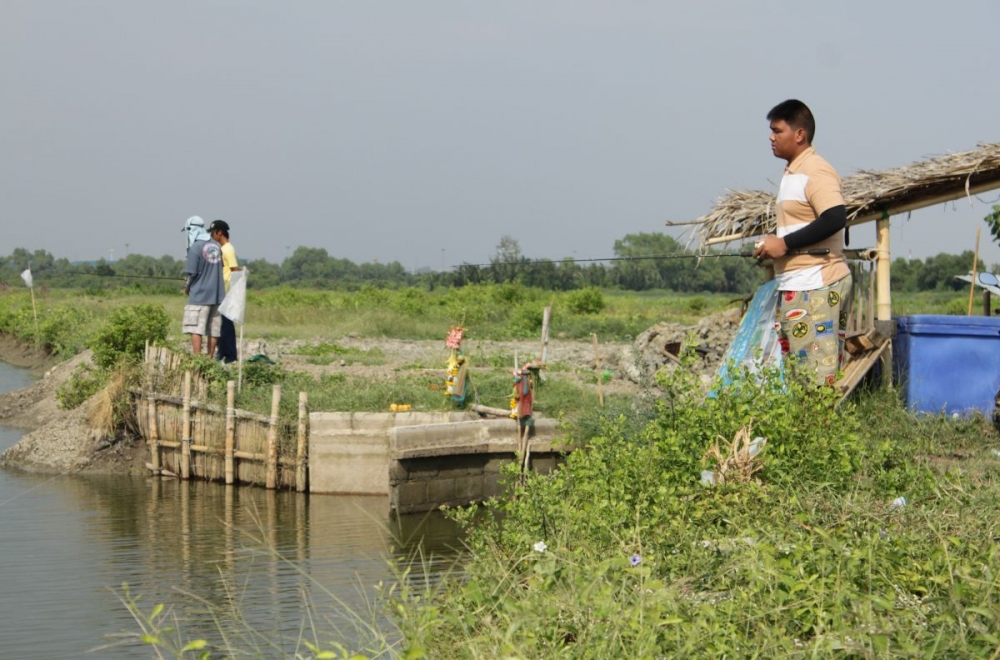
(813, 560)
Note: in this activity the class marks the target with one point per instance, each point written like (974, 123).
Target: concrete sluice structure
(422, 460)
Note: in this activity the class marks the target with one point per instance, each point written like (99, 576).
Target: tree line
(642, 262)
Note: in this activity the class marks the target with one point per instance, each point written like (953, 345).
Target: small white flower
(540, 546)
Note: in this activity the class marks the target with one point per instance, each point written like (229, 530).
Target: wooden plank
(856, 369)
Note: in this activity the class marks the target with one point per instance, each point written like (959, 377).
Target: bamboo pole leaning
(972, 281)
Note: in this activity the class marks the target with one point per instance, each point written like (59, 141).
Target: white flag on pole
(234, 305)
(26, 276)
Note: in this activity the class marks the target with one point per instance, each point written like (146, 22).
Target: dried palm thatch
(868, 194)
(740, 461)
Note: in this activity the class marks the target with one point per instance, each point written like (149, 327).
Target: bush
(124, 335)
(83, 384)
(586, 301)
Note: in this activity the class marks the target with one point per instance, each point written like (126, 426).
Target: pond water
(69, 542)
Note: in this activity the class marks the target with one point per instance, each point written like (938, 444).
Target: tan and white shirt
(809, 187)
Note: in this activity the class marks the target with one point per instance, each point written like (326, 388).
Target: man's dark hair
(796, 114)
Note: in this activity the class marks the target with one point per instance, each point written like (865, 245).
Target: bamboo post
(154, 436)
(546, 319)
(882, 274)
(972, 283)
(882, 246)
(198, 403)
(230, 430)
(272, 440)
(303, 435)
(600, 376)
(186, 428)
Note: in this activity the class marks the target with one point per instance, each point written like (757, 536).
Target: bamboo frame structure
(191, 439)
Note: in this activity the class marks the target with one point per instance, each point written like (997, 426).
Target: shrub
(586, 301)
(84, 383)
(124, 335)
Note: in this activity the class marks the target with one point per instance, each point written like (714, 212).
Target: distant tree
(938, 272)
(506, 263)
(262, 274)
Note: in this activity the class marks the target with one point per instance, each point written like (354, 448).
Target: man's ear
(800, 136)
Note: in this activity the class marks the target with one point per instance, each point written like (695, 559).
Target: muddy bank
(57, 441)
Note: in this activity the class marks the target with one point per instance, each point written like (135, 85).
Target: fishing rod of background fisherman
(145, 277)
(529, 262)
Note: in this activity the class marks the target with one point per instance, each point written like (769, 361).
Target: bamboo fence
(193, 439)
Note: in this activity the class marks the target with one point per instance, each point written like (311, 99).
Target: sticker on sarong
(800, 330)
(833, 299)
(828, 360)
(795, 314)
(824, 328)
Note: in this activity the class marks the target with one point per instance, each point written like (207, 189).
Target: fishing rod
(145, 277)
(529, 262)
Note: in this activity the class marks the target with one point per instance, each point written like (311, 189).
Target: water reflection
(68, 543)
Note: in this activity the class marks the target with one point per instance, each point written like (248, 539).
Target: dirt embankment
(61, 441)
(57, 440)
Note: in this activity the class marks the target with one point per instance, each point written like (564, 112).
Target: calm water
(67, 544)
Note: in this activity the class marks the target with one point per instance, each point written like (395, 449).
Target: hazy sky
(425, 131)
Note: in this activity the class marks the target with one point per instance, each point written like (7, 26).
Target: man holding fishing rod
(814, 290)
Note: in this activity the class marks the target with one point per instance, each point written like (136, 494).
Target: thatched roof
(868, 194)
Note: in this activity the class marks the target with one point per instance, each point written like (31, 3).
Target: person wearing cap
(219, 231)
(204, 287)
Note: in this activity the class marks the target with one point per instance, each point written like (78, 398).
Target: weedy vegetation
(854, 531)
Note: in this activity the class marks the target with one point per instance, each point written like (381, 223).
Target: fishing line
(716, 255)
(47, 481)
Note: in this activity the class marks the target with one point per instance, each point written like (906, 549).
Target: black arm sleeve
(826, 225)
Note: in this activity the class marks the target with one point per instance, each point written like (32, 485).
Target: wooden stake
(303, 438)
(230, 430)
(546, 318)
(272, 440)
(600, 376)
(154, 436)
(186, 427)
(972, 284)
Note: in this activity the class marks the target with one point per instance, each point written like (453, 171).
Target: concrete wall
(421, 460)
(349, 452)
(459, 463)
